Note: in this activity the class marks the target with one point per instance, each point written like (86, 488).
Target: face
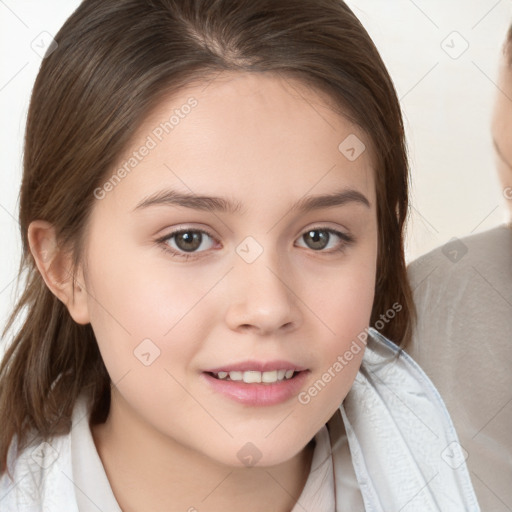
(502, 128)
(265, 276)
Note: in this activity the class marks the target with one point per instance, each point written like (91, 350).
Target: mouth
(256, 377)
(257, 389)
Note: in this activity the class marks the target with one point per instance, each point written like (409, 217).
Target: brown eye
(332, 240)
(188, 241)
(316, 239)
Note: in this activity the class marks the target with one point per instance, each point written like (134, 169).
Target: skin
(170, 442)
(502, 129)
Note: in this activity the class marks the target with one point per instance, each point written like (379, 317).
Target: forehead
(250, 133)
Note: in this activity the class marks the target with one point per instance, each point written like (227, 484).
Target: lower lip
(256, 394)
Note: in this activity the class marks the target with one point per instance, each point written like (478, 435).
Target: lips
(257, 394)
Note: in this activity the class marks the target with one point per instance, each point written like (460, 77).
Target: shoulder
(490, 248)
(390, 379)
(36, 472)
(399, 430)
(385, 365)
(42, 477)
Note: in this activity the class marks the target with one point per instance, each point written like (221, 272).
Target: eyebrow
(219, 204)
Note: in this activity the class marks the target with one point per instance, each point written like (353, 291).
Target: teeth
(253, 376)
(269, 376)
(250, 377)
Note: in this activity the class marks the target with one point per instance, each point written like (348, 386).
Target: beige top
(463, 341)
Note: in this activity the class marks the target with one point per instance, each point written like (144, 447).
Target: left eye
(320, 239)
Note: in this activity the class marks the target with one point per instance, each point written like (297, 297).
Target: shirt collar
(318, 493)
(92, 488)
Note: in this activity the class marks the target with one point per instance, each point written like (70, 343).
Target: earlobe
(55, 266)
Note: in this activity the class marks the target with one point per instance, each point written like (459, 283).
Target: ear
(55, 266)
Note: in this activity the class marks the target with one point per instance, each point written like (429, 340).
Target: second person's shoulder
(452, 259)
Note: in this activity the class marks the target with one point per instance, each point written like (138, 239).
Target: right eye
(183, 242)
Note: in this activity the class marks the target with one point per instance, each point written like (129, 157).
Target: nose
(262, 297)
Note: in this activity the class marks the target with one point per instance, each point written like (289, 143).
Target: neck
(149, 471)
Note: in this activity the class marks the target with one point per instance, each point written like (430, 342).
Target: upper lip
(260, 366)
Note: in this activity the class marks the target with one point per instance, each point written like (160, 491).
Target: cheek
(144, 290)
(344, 305)
(344, 296)
(138, 309)
(348, 308)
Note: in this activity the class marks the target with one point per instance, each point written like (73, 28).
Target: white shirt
(390, 447)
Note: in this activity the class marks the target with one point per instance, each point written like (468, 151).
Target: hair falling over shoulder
(115, 60)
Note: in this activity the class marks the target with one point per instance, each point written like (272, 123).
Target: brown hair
(115, 60)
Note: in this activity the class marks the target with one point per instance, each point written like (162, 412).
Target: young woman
(212, 210)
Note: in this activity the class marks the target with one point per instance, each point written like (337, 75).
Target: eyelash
(162, 242)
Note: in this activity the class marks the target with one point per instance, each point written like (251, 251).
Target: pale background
(446, 97)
